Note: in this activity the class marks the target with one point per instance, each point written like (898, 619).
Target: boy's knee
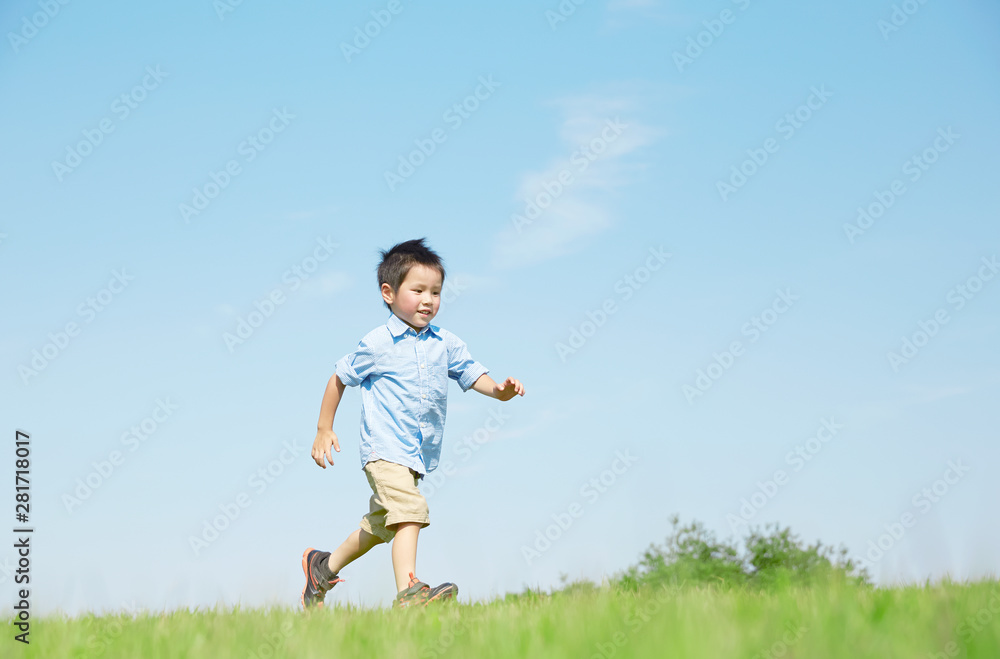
(370, 538)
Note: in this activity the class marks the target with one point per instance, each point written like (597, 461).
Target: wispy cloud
(922, 395)
(326, 285)
(560, 208)
(317, 286)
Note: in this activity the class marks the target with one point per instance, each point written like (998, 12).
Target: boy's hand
(321, 446)
(509, 388)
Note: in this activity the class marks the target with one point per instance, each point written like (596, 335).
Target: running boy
(403, 369)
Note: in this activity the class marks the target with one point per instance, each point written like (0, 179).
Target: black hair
(396, 263)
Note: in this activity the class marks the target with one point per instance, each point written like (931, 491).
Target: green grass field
(815, 622)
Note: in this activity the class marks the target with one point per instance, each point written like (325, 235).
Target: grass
(834, 619)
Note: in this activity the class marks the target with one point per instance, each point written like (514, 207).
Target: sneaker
(420, 594)
(445, 591)
(319, 579)
(414, 595)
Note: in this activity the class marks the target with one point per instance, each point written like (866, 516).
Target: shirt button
(421, 366)
(423, 396)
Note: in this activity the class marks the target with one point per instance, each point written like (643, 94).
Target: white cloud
(600, 135)
(316, 286)
(326, 285)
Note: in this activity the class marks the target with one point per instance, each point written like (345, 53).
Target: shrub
(772, 556)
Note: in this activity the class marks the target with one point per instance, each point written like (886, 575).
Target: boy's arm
(331, 400)
(325, 437)
(511, 387)
(350, 371)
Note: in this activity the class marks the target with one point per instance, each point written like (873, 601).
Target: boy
(403, 368)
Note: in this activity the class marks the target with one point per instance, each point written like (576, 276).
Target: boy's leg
(321, 568)
(398, 512)
(404, 553)
(404, 558)
(356, 546)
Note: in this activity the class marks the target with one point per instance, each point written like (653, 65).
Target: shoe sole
(305, 571)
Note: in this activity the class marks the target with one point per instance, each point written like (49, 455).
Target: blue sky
(645, 212)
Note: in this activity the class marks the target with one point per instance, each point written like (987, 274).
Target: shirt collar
(397, 327)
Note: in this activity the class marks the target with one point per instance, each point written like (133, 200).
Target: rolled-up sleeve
(353, 368)
(461, 366)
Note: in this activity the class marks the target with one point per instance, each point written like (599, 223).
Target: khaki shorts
(396, 498)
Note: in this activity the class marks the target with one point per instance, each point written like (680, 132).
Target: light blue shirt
(404, 390)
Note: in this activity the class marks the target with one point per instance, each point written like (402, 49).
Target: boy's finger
(329, 456)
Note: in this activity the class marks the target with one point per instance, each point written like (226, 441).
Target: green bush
(773, 556)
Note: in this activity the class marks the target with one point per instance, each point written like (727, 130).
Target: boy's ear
(387, 293)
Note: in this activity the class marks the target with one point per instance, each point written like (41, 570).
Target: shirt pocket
(438, 380)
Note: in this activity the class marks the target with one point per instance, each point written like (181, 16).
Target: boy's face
(418, 298)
